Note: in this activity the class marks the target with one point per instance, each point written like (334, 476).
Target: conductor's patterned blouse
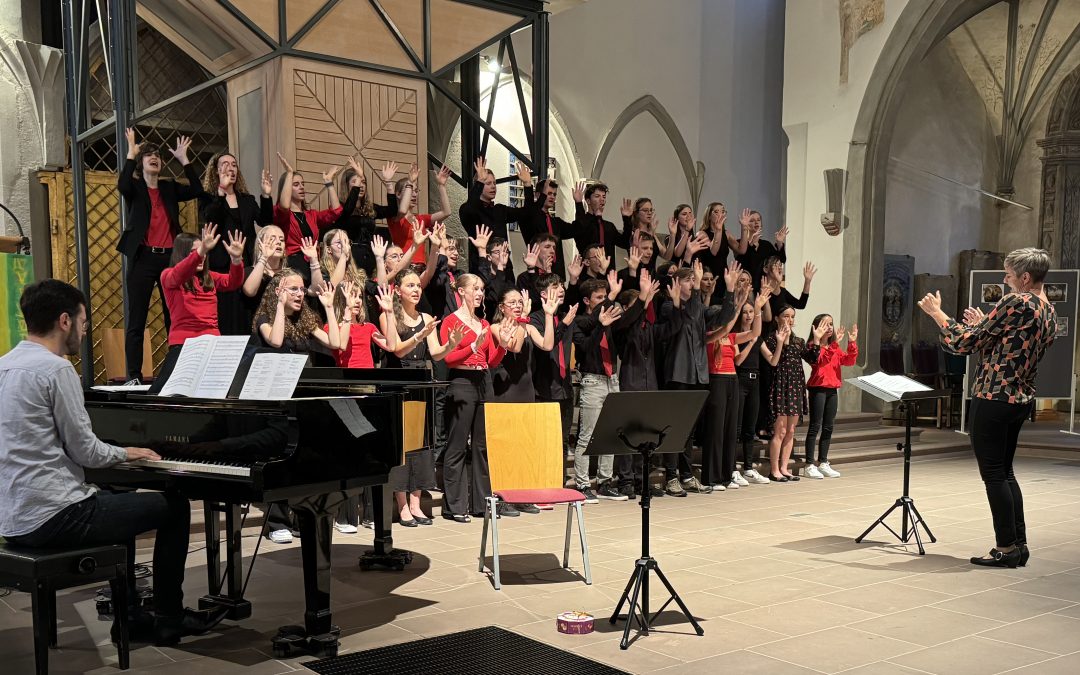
(1009, 342)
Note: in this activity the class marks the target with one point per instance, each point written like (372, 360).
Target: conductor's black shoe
(140, 628)
(169, 629)
(996, 558)
(1025, 554)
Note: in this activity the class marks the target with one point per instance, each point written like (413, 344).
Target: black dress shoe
(527, 508)
(508, 510)
(781, 479)
(1025, 555)
(996, 558)
(422, 520)
(793, 478)
(140, 628)
(408, 523)
(169, 630)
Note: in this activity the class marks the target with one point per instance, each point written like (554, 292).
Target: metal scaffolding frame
(117, 22)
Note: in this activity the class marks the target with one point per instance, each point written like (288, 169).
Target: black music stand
(646, 423)
(911, 519)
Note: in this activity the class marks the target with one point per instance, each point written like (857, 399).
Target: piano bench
(43, 571)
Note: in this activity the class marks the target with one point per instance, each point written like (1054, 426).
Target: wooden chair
(112, 347)
(525, 460)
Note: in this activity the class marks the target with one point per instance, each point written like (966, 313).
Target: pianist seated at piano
(46, 441)
(191, 287)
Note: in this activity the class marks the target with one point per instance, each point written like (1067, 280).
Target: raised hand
(418, 235)
(782, 335)
(499, 259)
(699, 242)
(973, 315)
(437, 236)
(532, 256)
(267, 183)
(207, 240)
(719, 225)
(674, 292)
(821, 332)
(573, 270)
(633, 261)
(840, 332)
(627, 207)
(673, 226)
(180, 151)
(326, 297)
(524, 175)
(480, 165)
(309, 248)
(808, 271)
(605, 259)
(285, 164)
(235, 245)
(442, 175)
(328, 175)
(385, 298)
(731, 275)
(550, 303)
(610, 314)
(267, 248)
(506, 329)
(430, 326)
(931, 303)
(648, 286)
(781, 236)
(579, 191)
(853, 334)
(571, 314)
(762, 298)
(755, 237)
(354, 165)
(378, 247)
(744, 220)
(133, 147)
(483, 234)
(457, 334)
(389, 170)
(699, 273)
(614, 284)
(414, 173)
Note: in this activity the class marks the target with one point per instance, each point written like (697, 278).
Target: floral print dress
(787, 393)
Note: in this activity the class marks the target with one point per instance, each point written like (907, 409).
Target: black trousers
(995, 426)
(678, 465)
(465, 493)
(721, 430)
(823, 402)
(143, 273)
(116, 518)
(441, 373)
(749, 404)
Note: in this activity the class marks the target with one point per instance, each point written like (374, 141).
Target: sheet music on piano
(206, 366)
(273, 377)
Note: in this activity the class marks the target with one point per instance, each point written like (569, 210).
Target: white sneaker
(344, 528)
(828, 470)
(719, 487)
(812, 472)
(281, 537)
(738, 479)
(755, 477)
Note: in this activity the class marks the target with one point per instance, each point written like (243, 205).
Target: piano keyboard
(219, 468)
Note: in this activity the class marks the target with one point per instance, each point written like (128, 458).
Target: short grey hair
(1034, 261)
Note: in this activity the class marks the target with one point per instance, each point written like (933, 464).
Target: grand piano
(343, 430)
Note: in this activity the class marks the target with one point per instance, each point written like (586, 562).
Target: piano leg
(318, 636)
(384, 555)
(233, 600)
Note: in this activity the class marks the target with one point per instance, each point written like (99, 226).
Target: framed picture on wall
(1056, 292)
(992, 293)
(1061, 328)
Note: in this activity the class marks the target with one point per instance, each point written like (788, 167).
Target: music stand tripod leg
(632, 611)
(933, 539)
(879, 521)
(678, 601)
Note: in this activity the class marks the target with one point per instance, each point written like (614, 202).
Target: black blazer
(535, 222)
(138, 201)
(215, 209)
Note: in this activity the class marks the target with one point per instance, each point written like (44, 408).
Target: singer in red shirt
(191, 287)
(821, 388)
(470, 366)
(298, 222)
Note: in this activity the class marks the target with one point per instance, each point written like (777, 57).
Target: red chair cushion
(540, 496)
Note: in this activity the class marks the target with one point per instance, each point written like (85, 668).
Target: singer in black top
(153, 220)
(481, 209)
(715, 257)
(758, 250)
(226, 203)
(359, 212)
(551, 370)
(542, 220)
(589, 224)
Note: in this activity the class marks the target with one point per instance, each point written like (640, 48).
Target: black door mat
(481, 650)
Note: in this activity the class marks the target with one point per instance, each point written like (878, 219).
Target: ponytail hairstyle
(182, 246)
(466, 280)
(364, 206)
(817, 322)
(399, 308)
(352, 272)
(211, 179)
(281, 186)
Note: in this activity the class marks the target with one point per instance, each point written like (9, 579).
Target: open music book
(206, 366)
(273, 376)
(888, 387)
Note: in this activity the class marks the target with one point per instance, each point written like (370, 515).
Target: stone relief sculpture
(857, 17)
(833, 219)
(38, 72)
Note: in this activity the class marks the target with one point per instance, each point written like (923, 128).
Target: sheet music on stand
(888, 387)
(206, 366)
(273, 377)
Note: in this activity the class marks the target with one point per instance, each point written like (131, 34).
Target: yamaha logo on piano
(177, 439)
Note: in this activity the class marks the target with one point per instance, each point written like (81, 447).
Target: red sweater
(194, 313)
(316, 220)
(487, 355)
(826, 372)
(401, 234)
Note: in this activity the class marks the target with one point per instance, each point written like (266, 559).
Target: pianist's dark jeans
(116, 518)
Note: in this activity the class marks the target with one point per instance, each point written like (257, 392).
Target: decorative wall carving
(39, 72)
(857, 18)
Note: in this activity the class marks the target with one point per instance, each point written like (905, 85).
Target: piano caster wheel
(294, 641)
(394, 560)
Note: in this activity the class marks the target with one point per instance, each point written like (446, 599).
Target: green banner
(16, 273)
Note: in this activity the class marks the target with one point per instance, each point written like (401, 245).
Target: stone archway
(1059, 212)
(921, 25)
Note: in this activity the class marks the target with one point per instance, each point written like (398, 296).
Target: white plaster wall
(942, 127)
(814, 97)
